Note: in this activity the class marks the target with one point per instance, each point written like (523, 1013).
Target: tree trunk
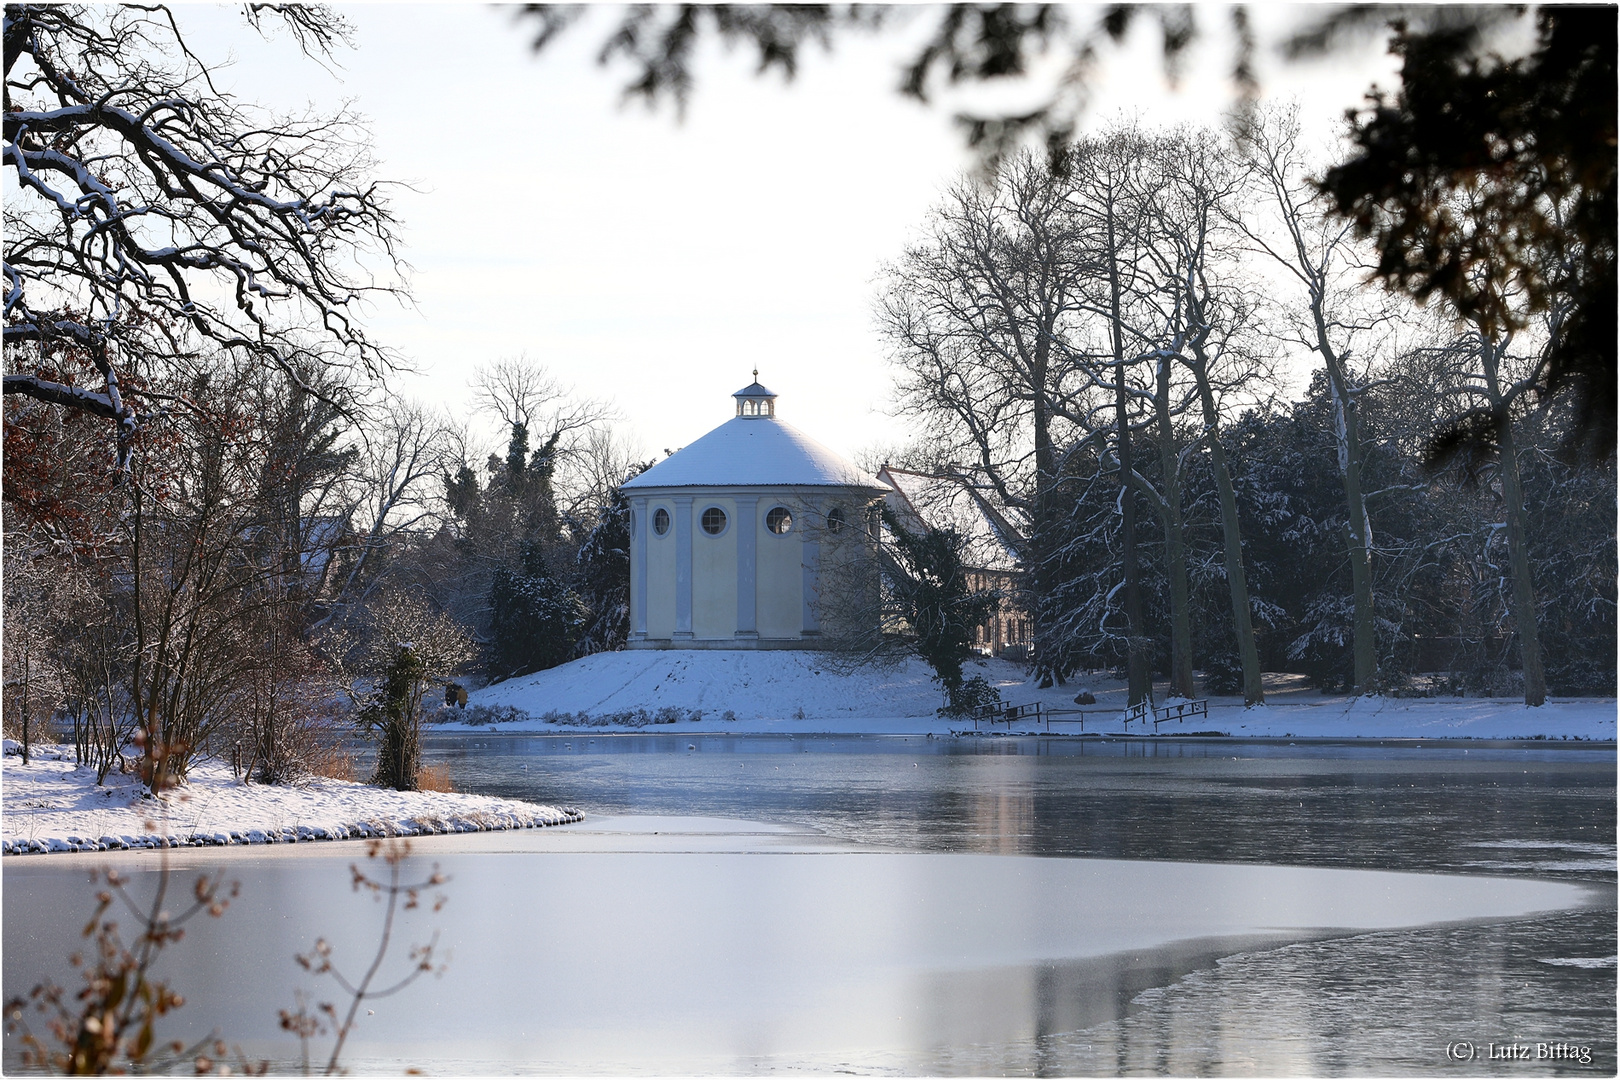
(1242, 624)
(1523, 596)
(1041, 524)
(1358, 530)
(25, 740)
(1139, 678)
(1175, 545)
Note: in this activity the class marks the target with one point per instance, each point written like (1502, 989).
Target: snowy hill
(790, 691)
(765, 685)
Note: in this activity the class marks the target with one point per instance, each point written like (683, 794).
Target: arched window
(779, 520)
(661, 521)
(714, 521)
(835, 520)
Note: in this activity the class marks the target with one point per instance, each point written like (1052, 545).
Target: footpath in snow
(52, 805)
(801, 692)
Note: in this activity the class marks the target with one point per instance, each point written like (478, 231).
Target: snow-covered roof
(755, 451)
(753, 390)
(942, 502)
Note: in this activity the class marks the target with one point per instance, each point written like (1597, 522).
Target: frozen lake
(880, 905)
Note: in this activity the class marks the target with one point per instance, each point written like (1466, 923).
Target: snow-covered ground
(796, 692)
(51, 805)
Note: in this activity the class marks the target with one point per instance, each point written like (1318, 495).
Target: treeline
(283, 558)
(223, 533)
(1101, 350)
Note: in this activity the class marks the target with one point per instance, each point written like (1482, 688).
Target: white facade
(726, 535)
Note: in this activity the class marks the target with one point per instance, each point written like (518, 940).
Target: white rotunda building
(727, 535)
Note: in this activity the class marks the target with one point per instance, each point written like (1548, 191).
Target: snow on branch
(156, 217)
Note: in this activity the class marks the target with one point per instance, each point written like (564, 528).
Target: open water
(996, 906)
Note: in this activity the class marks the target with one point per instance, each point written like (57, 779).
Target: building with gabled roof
(922, 500)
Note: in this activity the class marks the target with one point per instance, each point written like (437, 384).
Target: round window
(835, 520)
(661, 521)
(779, 521)
(714, 521)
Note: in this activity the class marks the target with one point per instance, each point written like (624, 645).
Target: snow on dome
(755, 451)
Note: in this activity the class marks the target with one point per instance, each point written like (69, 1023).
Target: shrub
(486, 715)
(973, 693)
(636, 718)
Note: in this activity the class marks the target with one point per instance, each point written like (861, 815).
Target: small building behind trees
(730, 536)
(921, 501)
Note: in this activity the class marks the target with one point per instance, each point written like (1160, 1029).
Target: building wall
(714, 571)
(660, 572)
(781, 572)
(784, 567)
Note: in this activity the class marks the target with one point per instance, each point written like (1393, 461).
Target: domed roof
(755, 451)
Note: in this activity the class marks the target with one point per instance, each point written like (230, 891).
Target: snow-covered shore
(51, 805)
(740, 692)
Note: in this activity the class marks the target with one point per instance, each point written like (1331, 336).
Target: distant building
(727, 534)
(920, 501)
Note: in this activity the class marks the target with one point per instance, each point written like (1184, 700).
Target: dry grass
(433, 778)
(333, 763)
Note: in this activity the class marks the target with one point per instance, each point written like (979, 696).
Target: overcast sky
(652, 262)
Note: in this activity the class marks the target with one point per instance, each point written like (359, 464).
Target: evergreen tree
(461, 492)
(535, 619)
(603, 563)
(395, 714)
(930, 588)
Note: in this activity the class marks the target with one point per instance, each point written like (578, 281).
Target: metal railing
(1141, 712)
(1005, 714)
(1180, 711)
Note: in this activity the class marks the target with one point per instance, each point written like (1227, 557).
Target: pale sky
(653, 263)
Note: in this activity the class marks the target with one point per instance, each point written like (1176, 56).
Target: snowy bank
(750, 685)
(52, 805)
(792, 692)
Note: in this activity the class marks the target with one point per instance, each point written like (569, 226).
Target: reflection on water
(1460, 807)
(1345, 1007)
(700, 962)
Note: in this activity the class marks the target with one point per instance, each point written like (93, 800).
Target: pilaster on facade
(641, 524)
(683, 566)
(747, 566)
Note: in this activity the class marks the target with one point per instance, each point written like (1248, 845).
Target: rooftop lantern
(755, 401)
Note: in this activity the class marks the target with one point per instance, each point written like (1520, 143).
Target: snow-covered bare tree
(1340, 320)
(35, 683)
(388, 495)
(1115, 180)
(976, 314)
(154, 222)
(404, 645)
(1226, 369)
(1494, 381)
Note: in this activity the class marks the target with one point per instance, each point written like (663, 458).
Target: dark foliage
(932, 594)
(1483, 178)
(603, 565)
(970, 43)
(535, 619)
